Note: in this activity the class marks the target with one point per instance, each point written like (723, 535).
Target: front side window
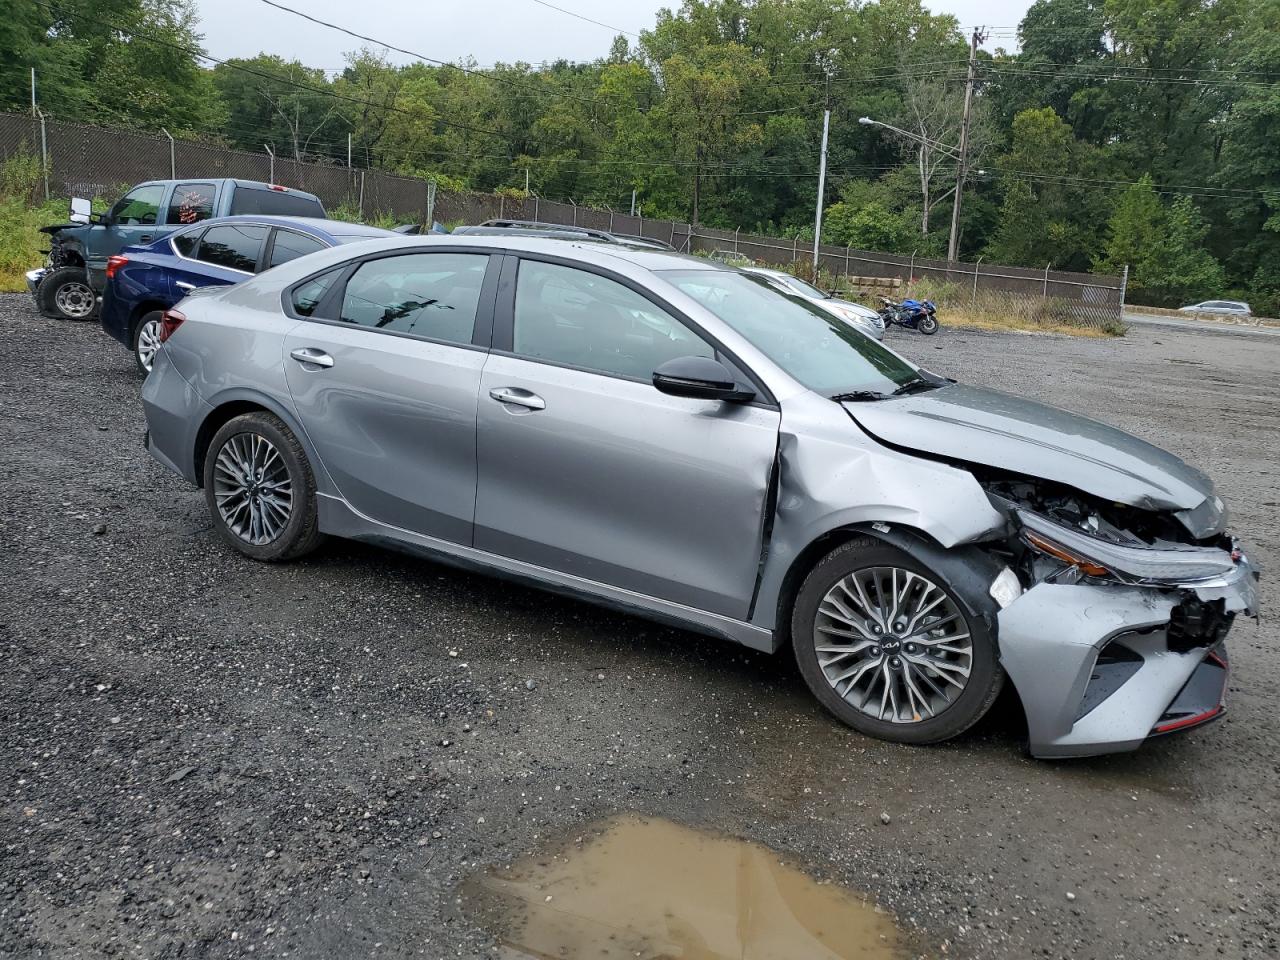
(565, 315)
(190, 203)
(234, 246)
(431, 295)
(290, 245)
(825, 354)
(140, 207)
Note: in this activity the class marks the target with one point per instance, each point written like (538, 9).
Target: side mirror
(700, 378)
(81, 210)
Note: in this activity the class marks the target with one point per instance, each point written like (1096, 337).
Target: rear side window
(234, 246)
(190, 203)
(307, 296)
(185, 243)
(430, 295)
(290, 245)
(254, 200)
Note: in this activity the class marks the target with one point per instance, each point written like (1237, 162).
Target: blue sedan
(145, 281)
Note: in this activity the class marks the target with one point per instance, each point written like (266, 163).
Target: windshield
(806, 289)
(820, 351)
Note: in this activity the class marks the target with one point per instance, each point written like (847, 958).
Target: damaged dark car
(677, 438)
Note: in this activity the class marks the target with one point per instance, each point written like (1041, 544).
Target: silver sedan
(680, 439)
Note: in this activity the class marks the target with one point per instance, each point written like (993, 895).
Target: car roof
(600, 254)
(318, 225)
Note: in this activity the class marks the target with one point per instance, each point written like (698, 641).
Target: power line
(496, 78)
(580, 16)
(1028, 70)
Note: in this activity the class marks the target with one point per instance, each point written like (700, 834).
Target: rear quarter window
(282, 203)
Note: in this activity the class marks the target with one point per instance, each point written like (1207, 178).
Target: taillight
(276, 186)
(170, 321)
(114, 264)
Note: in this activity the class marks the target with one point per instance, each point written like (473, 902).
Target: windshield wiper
(914, 386)
(860, 395)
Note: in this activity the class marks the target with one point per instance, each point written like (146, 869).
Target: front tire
(929, 325)
(146, 340)
(65, 294)
(888, 646)
(260, 489)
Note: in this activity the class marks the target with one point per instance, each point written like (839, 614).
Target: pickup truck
(70, 285)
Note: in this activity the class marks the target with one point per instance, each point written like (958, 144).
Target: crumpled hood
(996, 429)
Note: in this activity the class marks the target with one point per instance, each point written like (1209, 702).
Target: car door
(384, 372)
(131, 221)
(587, 469)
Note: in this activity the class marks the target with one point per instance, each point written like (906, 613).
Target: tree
(1049, 214)
(1134, 232)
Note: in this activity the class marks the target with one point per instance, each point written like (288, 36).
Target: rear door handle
(310, 355)
(146, 238)
(518, 396)
(183, 285)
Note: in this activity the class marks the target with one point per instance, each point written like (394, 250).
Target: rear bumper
(1101, 668)
(174, 412)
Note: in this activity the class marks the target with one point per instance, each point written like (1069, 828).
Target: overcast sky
(489, 30)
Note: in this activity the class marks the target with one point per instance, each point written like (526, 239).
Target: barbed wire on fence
(86, 159)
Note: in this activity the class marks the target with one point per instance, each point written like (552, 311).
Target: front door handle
(518, 396)
(183, 285)
(310, 355)
(146, 238)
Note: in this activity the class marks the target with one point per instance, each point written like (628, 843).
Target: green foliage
(1162, 246)
(23, 210)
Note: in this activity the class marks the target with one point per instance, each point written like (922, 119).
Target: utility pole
(822, 177)
(953, 244)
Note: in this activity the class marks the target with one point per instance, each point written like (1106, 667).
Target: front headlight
(1171, 564)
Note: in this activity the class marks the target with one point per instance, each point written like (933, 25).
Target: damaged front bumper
(34, 277)
(1101, 667)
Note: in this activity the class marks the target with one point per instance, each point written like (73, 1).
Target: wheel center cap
(891, 646)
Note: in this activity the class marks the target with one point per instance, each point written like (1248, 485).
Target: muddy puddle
(652, 889)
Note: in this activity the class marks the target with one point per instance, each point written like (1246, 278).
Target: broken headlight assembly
(1158, 564)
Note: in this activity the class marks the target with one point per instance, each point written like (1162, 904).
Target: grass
(966, 319)
(21, 243)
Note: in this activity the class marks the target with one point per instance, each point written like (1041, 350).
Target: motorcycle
(913, 314)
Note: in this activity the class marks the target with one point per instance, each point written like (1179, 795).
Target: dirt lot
(204, 757)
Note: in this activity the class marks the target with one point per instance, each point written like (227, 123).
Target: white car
(1236, 308)
(855, 314)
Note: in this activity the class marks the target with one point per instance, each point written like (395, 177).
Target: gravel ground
(201, 756)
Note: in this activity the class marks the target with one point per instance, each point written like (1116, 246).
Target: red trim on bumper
(1192, 721)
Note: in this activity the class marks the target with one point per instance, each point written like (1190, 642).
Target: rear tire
(146, 340)
(260, 489)
(921, 677)
(65, 294)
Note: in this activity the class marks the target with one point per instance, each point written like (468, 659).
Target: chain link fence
(93, 161)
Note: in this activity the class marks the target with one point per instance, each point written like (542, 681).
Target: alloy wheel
(148, 343)
(252, 488)
(893, 644)
(74, 300)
